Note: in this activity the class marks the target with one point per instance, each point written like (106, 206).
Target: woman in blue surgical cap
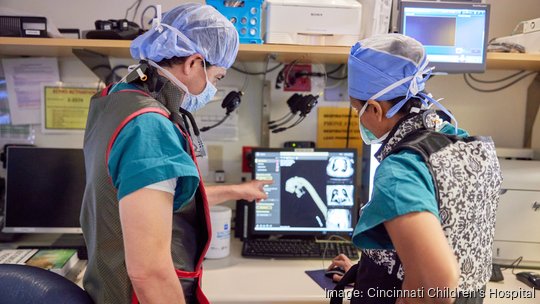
(145, 209)
(426, 233)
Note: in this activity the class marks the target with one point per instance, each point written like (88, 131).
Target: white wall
(500, 114)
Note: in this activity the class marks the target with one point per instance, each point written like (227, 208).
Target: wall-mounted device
(298, 104)
(454, 34)
(230, 103)
(306, 22)
(23, 26)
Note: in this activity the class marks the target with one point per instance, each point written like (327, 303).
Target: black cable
(129, 8)
(335, 70)
(300, 119)
(144, 12)
(337, 78)
(257, 73)
(297, 122)
(279, 119)
(136, 10)
(204, 129)
(348, 127)
(273, 126)
(513, 265)
(496, 89)
(496, 80)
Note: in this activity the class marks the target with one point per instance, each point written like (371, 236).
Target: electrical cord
(338, 78)
(335, 70)
(257, 73)
(204, 129)
(513, 265)
(495, 80)
(496, 89)
(135, 3)
(144, 12)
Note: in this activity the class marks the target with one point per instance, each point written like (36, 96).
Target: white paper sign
(24, 77)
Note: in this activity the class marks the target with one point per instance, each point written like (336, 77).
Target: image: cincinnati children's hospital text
(490, 293)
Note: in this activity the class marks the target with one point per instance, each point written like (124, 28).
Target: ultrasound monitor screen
(44, 190)
(454, 35)
(313, 191)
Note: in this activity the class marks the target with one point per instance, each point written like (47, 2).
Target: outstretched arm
(249, 191)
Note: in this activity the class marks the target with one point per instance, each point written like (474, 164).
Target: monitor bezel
(354, 217)
(451, 67)
(20, 229)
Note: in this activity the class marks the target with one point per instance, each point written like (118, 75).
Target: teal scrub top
(402, 184)
(150, 149)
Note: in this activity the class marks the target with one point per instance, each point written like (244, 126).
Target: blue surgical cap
(189, 29)
(380, 61)
(388, 66)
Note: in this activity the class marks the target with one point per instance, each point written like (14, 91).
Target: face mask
(367, 136)
(191, 102)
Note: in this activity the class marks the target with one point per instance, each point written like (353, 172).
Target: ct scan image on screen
(312, 191)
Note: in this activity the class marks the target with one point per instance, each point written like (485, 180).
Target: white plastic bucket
(220, 245)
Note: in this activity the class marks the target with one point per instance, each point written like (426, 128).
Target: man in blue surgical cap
(429, 223)
(145, 212)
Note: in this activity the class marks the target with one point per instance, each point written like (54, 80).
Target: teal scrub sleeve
(150, 149)
(402, 184)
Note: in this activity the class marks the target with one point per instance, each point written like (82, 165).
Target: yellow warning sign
(332, 126)
(66, 108)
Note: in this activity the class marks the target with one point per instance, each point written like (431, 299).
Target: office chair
(32, 285)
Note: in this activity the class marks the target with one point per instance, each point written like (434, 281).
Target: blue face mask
(367, 136)
(191, 103)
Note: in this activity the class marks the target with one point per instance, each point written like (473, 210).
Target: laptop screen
(313, 191)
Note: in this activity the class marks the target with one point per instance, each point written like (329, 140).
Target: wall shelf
(57, 47)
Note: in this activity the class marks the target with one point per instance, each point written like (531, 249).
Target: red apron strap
(105, 91)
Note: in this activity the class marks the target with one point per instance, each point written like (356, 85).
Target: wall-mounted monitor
(454, 34)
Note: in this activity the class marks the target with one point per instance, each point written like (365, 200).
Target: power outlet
(297, 83)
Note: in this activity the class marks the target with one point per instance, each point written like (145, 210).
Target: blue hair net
(189, 29)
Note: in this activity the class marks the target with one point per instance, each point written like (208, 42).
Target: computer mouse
(531, 279)
(336, 270)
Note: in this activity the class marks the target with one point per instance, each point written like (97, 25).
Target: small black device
(299, 144)
(531, 279)
(496, 273)
(23, 26)
(241, 218)
(116, 29)
(230, 103)
(297, 103)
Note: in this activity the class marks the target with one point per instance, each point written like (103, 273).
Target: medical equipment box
(23, 26)
(517, 226)
(307, 22)
(245, 15)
